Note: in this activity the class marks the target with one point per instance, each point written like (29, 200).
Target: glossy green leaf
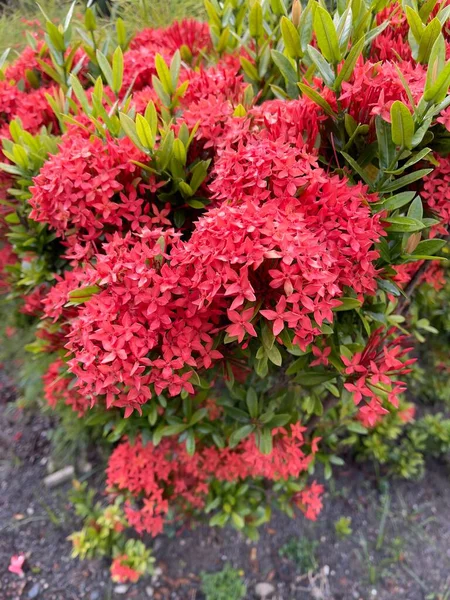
(291, 38)
(402, 125)
(325, 31)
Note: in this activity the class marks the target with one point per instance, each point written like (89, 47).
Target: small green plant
(223, 585)
(102, 535)
(343, 527)
(301, 551)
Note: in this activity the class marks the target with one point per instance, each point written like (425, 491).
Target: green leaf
(151, 117)
(405, 180)
(81, 295)
(265, 442)
(347, 304)
(310, 378)
(278, 7)
(237, 520)
(117, 70)
(403, 224)
(297, 365)
(121, 33)
(285, 66)
(356, 427)
(190, 443)
(179, 151)
(317, 98)
(291, 38)
(199, 173)
(325, 31)
(357, 168)
(389, 287)
(175, 65)
(436, 62)
(69, 16)
(415, 23)
(402, 125)
(278, 421)
(255, 21)
(174, 429)
(252, 403)
(429, 247)
(164, 74)
(274, 355)
(165, 149)
(398, 200)
(429, 36)
(415, 210)
(105, 68)
(240, 434)
(4, 56)
(426, 9)
(349, 64)
(129, 127)
(80, 93)
(323, 66)
(56, 37)
(438, 90)
(249, 69)
(219, 520)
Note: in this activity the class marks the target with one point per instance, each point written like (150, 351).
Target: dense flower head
(58, 389)
(190, 33)
(89, 186)
(141, 310)
(210, 100)
(121, 572)
(33, 304)
(160, 477)
(436, 190)
(140, 59)
(375, 86)
(373, 373)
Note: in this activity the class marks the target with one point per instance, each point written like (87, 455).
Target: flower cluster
(372, 371)
(88, 188)
(159, 477)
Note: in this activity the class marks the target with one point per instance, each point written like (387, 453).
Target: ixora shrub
(219, 231)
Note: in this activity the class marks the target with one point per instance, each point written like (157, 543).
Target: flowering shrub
(220, 230)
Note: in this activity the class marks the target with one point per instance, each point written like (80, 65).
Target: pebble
(59, 477)
(149, 591)
(34, 591)
(264, 590)
(156, 574)
(94, 595)
(121, 589)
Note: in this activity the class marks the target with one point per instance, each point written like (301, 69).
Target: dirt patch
(399, 547)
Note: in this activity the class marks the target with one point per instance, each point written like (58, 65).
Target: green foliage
(241, 505)
(402, 449)
(223, 585)
(102, 533)
(343, 527)
(301, 551)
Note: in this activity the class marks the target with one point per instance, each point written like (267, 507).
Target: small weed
(223, 585)
(343, 527)
(301, 551)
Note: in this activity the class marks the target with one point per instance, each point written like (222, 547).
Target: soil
(399, 548)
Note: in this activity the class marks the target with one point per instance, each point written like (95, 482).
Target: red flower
(241, 324)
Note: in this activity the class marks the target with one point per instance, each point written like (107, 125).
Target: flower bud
(296, 12)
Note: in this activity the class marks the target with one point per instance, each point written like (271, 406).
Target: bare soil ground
(399, 548)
